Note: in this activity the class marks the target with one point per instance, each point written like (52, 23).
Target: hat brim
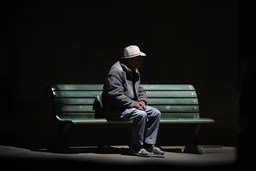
(133, 56)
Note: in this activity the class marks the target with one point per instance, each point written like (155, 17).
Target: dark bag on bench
(98, 107)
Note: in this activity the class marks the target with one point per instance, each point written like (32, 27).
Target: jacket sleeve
(142, 96)
(115, 91)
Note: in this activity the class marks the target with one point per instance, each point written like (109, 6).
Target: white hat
(132, 51)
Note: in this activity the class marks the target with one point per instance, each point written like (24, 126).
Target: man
(125, 99)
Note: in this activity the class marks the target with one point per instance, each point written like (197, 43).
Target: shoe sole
(157, 155)
(150, 155)
(139, 155)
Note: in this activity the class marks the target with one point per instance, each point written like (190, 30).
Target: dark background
(193, 42)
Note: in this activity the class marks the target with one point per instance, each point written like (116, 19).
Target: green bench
(178, 103)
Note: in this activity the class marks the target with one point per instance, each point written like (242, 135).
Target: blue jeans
(145, 124)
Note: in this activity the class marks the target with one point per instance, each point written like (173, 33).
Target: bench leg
(61, 144)
(192, 142)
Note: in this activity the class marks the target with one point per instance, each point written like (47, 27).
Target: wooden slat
(98, 121)
(151, 101)
(77, 87)
(171, 94)
(100, 86)
(77, 101)
(163, 109)
(187, 120)
(75, 108)
(76, 115)
(174, 108)
(170, 101)
(77, 94)
(173, 120)
(91, 115)
(168, 87)
(179, 115)
(149, 94)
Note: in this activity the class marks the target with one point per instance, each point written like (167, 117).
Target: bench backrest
(75, 101)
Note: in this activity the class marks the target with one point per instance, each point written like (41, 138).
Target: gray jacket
(121, 90)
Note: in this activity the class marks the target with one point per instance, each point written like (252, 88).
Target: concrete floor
(213, 156)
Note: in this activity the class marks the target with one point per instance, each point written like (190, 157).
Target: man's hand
(141, 105)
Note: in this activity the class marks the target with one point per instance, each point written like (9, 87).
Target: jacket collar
(125, 67)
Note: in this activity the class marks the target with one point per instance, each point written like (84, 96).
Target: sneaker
(140, 151)
(155, 150)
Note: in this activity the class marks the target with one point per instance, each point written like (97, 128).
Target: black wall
(185, 42)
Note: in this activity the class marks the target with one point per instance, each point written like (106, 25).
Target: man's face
(135, 62)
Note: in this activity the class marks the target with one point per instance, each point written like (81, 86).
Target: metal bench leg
(192, 142)
(61, 144)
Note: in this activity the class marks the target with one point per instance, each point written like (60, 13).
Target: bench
(178, 103)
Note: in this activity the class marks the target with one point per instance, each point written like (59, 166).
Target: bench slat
(168, 87)
(76, 94)
(170, 101)
(173, 120)
(154, 94)
(151, 101)
(70, 101)
(179, 115)
(77, 87)
(77, 116)
(169, 94)
(71, 116)
(100, 86)
(174, 108)
(164, 109)
(187, 120)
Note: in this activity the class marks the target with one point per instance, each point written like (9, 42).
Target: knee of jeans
(142, 114)
(157, 113)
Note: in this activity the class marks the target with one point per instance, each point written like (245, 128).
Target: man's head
(133, 56)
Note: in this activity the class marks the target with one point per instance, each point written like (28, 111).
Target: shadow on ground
(96, 150)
